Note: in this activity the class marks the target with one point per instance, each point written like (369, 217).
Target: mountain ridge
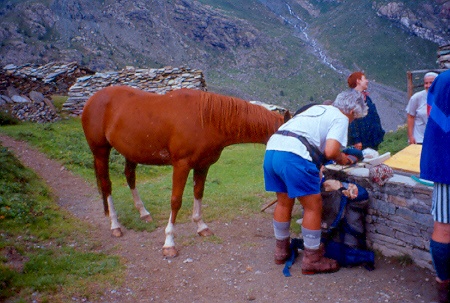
(272, 51)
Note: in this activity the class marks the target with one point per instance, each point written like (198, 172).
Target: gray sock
(281, 230)
(311, 238)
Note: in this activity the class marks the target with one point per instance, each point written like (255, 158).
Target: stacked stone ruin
(26, 90)
(443, 56)
(158, 81)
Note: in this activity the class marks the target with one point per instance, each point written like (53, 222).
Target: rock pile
(158, 81)
(33, 107)
(25, 90)
(53, 78)
(443, 55)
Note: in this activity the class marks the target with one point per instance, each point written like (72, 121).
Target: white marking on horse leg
(143, 212)
(112, 214)
(170, 242)
(197, 215)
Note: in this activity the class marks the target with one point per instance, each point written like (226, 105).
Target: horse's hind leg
(199, 186)
(130, 174)
(101, 166)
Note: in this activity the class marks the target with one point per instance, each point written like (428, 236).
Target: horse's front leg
(199, 187)
(130, 174)
(179, 177)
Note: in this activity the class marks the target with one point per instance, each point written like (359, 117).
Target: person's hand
(351, 192)
(412, 140)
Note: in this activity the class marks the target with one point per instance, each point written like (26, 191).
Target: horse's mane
(230, 115)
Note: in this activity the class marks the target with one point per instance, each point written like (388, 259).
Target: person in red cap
(366, 132)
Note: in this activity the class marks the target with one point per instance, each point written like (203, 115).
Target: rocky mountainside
(430, 20)
(286, 52)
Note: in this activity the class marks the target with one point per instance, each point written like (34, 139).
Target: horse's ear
(287, 116)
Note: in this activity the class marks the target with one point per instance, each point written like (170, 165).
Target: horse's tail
(104, 195)
(92, 121)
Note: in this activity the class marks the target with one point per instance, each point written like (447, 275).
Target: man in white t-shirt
(292, 162)
(416, 111)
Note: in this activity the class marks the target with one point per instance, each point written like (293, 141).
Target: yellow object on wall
(407, 160)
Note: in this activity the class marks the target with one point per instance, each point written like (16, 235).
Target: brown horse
(187, 129)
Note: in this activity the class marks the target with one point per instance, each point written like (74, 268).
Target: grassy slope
(375, 45)
(291, 78)
(54, 249)
(356, 38)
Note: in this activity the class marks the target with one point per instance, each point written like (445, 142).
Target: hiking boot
(443, 291)
(282, 251)
(314, 262)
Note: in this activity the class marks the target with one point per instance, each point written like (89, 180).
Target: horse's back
(131, 119)
(150, 128)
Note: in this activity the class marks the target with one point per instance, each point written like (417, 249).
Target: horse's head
(287, 116)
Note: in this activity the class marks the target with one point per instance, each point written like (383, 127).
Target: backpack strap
(342, 206)
(316, 155)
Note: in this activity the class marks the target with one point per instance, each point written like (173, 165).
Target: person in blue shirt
(434, 166)
(366, 132)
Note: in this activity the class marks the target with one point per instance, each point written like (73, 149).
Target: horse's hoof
(147, 218)
(116, 232)
(170, 252)
(206, 233)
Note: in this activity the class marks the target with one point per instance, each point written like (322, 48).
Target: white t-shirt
(317, 124)
(417, 107)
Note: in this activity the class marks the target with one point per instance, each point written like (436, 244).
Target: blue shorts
(285, 172)
(440, 208)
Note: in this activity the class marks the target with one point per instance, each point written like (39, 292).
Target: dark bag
(344, 235)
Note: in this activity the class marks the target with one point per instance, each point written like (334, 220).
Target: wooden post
(409, 84)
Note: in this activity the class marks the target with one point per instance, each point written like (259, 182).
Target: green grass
(55, 262)
(394, 141)
(58, 102)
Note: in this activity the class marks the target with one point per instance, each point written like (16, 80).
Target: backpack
(343, 228)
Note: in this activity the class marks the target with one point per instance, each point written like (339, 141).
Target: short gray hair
(349, 100)
(430, 74)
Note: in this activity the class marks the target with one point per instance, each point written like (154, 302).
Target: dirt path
(238, 269)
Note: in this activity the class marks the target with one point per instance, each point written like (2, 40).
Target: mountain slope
(285, 52)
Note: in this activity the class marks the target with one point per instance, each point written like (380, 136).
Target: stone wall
(19, 86)
(53, 78)
(26, 90)
(399, 222)
(443, 56)
(158, 81)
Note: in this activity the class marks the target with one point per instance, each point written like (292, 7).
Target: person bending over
(292, 162)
